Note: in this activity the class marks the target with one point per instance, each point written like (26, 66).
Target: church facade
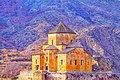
(61, 53)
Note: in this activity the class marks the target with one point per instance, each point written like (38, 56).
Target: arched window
(70, 62)
(75, 62)
(37, 67)
(56, 57)
(46, 58)
(88, 62)
(36, 61)
(81, 62)
(61, 62)
(52, 42)
(46, 67)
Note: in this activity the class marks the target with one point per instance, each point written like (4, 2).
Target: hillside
(19, 18)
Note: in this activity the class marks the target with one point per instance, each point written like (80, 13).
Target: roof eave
(61, 32)
(50, 49)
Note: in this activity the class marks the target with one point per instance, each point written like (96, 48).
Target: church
(61, 53)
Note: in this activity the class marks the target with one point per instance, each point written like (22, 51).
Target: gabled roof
(65, 50)
(74, 45)
(21, 59)
(39, 53)
(61, 28)
(51, 47)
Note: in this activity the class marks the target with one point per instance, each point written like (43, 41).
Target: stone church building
(62, 53)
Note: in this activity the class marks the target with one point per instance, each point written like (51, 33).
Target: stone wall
(83, 76)
(75, 76)
(25, 75)
(5, 78)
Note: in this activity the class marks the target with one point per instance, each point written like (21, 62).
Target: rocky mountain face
(104, 42)
(19, 19)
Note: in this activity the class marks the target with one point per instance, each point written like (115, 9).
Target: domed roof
(61, 28)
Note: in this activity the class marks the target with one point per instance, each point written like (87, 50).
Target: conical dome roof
(61, 28)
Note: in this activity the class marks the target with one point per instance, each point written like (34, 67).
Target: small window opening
(71, 41)
(61, 62)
